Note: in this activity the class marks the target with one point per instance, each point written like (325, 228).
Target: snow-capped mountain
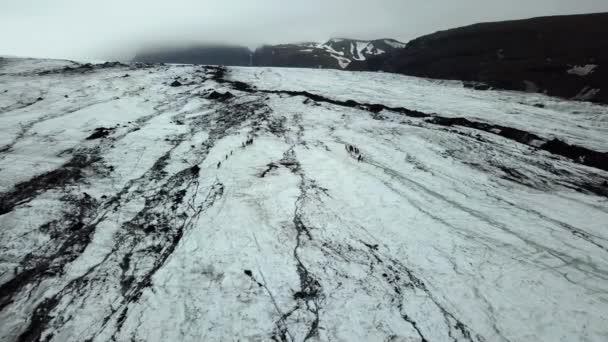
(192, 203)
(348, 50)
(336, 53)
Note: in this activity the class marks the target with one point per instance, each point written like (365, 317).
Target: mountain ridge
(335, 53)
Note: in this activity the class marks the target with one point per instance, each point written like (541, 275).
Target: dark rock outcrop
(564, 56)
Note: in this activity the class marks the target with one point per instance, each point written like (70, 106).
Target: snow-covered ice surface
(131, 210)
(582, 123)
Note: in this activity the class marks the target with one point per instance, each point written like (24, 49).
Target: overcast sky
(100, 29)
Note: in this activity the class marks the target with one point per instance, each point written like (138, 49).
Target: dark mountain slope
(305, 55)
(563, 56)
(202, 54)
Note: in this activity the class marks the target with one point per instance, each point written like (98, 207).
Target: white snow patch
(531, 87)
(586, 94)
(536, 143)
(342, 61)
(361, 46)
(582, 70)
(372, 50)
(353, 51)
(395, 44)
(332, 51)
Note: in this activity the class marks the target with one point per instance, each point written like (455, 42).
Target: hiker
(226, 157)
(219, 164)
(356, 150)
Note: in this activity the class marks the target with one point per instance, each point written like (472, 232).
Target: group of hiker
(219, 164)
(351, 149)
(354, 151)
(247, 142)
(243, 145)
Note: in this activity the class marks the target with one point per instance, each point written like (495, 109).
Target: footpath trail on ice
(190, 203)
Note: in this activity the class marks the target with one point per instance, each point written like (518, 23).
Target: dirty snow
(246, 218)
(581, 123)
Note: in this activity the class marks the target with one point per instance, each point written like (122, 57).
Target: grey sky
(116, 28)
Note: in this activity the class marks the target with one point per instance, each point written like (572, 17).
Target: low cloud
(96, 29)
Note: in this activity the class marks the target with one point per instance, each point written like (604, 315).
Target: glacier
(267, 204)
